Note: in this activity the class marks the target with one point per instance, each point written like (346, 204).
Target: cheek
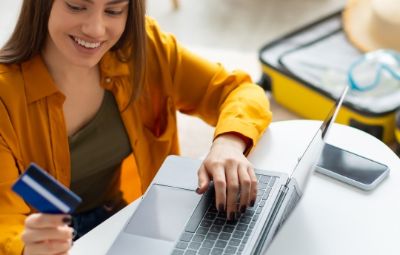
(118, 29)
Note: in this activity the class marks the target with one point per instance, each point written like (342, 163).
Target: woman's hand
(232, 174)
(47, 234)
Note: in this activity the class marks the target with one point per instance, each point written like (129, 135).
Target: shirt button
(107, 79)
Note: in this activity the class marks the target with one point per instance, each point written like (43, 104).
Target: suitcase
(303, 71)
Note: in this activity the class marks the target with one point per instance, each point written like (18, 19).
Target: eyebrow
(110, 2)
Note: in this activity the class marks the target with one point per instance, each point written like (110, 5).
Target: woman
(89, 91)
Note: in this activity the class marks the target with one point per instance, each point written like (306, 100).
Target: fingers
(40, 220)
(218, 173)
(204, 180)
(60, 233)
(245, 188)
(47, 234)
(253, 186)
(232, 180)
(48, 247)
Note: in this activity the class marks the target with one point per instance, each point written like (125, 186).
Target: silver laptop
(173, 219)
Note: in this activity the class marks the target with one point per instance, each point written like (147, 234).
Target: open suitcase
(307, 69)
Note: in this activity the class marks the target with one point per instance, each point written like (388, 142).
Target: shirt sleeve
(13, 209)
(230, 101)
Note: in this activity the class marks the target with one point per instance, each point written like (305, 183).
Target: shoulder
(11, 82)
(156, 37)
(9, 69)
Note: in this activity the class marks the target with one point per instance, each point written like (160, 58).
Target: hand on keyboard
(232, 173)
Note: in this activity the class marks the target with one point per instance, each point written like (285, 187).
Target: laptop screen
(309, 159)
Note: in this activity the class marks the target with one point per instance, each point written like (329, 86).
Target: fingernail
(232, 216)
(67, 220)
(252, 202)
(243, 209)
(221, 208)
(198, 190)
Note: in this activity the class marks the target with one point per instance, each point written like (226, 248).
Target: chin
(84, 62)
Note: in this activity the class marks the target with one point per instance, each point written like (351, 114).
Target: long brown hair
(31, 31)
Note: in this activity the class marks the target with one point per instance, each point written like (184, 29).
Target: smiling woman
(89, 91)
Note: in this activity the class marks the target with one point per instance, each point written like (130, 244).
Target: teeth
(87, 44)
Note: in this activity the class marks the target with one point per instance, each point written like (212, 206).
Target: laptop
(172, 219)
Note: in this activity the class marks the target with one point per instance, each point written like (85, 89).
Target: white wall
(9, 11)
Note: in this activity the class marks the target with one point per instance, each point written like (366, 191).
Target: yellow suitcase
(310, 99)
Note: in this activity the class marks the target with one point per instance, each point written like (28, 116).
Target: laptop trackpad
(163, 213)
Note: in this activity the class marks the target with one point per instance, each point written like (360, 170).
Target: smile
(88, 45)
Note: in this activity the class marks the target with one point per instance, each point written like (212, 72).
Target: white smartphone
(351, 168)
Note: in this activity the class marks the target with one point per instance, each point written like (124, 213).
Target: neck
(66, 74)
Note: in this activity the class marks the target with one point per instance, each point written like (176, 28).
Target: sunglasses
(373, 69)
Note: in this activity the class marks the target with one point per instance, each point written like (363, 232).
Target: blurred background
(227, 31)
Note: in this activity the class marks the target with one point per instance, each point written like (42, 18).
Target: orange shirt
(32, 126)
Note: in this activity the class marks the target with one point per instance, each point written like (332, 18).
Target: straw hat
(373, 24)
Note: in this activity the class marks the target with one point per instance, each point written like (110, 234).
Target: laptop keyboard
(208, 231)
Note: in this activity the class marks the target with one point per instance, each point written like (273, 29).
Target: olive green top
(97, 151)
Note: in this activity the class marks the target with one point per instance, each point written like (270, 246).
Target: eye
(114, 12)
(74, 8)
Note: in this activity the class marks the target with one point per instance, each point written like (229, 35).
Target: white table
(331, 218)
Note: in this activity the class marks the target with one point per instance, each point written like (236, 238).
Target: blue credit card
(44, 193)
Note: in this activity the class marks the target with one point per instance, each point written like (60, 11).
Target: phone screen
(350, 165)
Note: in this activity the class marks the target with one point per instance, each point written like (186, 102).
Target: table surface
(331, 218)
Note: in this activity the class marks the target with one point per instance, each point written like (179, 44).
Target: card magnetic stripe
(37, 196)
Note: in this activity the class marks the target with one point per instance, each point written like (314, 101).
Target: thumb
(204, 180)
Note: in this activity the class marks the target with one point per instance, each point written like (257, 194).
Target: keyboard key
(206, 223)
(215, 229)
(198, 238)
(221, 244)
(186, 236)
(272, 182)
(245, 220)
(202, 231)
(252, 224)
(210, 216)
(204, 251)
(228, 229)
(177, 252)
(217, 251)
(194, 245)
(234, 242)
(230, 250)
(181, 245)
(219, 221)
(250, 212)
(255, 217)
(212, 236)
(208, 243)
(266, 193)
(224, 236)
(222, 215)
(238, 234)
(241, 227)
(264, 179)
(190, 252)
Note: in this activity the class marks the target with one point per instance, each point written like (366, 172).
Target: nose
(94, 26)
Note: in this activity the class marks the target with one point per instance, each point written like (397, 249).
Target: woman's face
(82, 31)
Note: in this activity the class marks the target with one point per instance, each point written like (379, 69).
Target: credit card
(44, 193)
